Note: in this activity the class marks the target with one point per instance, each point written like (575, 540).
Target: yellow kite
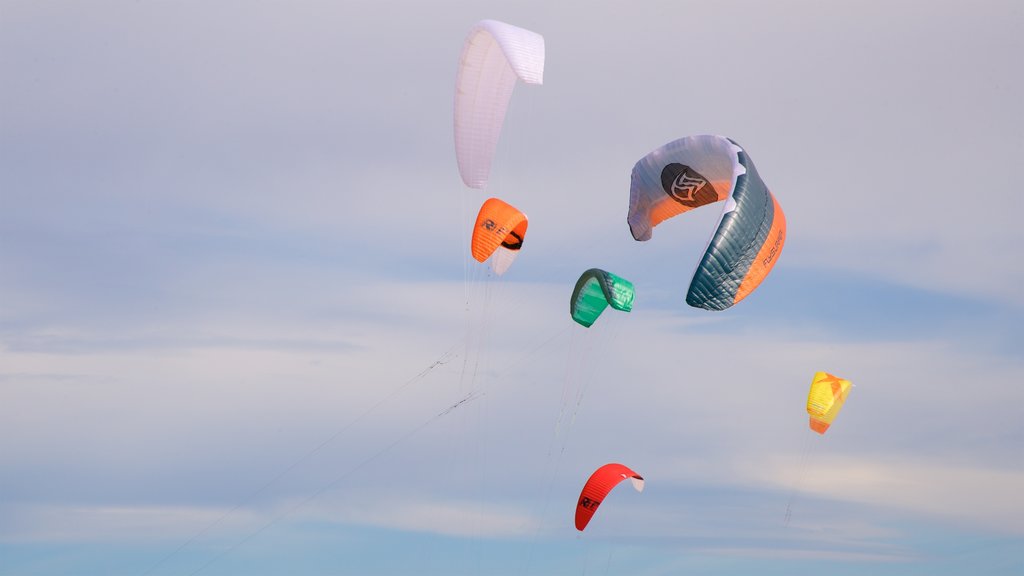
(826, 398)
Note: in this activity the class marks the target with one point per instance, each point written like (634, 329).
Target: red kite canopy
(598, 486)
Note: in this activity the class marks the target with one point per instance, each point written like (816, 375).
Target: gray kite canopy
(698, 170)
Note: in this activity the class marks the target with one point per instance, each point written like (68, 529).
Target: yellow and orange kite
(827, 396)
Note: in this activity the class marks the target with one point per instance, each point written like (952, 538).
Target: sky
(241, 333)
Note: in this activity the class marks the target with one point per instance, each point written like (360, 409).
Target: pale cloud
(985, 497)
(799, 554)
(446, 517)
(49, 523)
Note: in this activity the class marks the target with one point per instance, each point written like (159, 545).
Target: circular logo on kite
(488, 224)
(686, 186)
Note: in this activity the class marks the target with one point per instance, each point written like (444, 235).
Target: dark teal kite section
(736, 243)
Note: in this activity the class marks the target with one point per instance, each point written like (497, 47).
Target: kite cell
(494, 56)
(598, 486)
(825, 400)
(697, 170)
(595, 291)
(499, 233)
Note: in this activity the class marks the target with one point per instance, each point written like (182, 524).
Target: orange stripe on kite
(767, 256)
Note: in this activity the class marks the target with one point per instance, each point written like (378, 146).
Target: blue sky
(236, 300)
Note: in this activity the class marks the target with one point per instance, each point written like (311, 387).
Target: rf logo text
(491, 226)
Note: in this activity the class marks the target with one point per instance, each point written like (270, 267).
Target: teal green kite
(594, 291)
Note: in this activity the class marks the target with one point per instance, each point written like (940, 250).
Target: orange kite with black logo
(498, 234)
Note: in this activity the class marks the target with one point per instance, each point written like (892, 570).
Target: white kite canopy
(494, 56)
